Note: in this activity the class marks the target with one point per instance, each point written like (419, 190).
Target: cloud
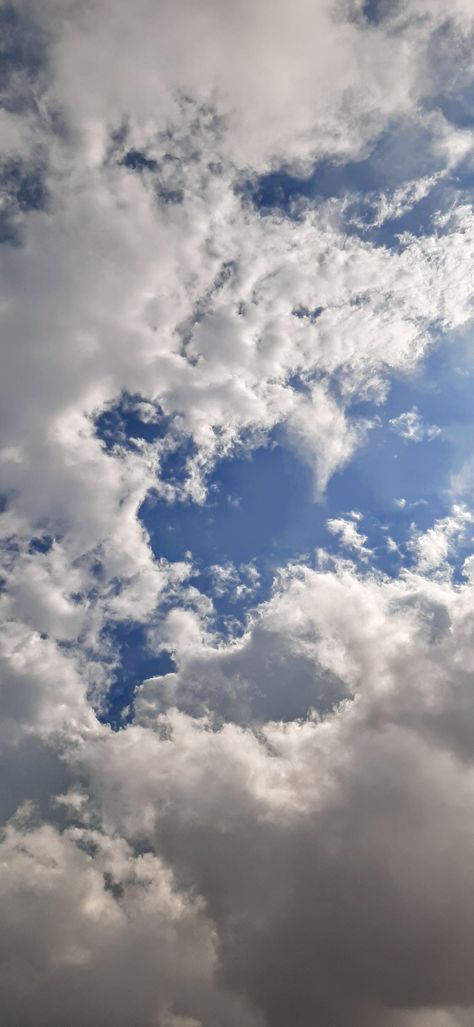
(434, 546)
(349, 536)
(278, 833)
(119, 934)
(410, 426)
(322, 842)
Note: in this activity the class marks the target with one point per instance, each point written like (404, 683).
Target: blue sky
(260, 507)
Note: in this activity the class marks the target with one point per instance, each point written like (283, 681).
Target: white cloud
(434, 546)
(349, 536)
(410, 426)
(237, 582)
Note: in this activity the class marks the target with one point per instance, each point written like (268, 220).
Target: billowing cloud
(322, 849)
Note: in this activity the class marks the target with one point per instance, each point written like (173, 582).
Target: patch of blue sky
(174, 466)
(403, 156)
(24, 184)
(382, 169)
(260, 508)
(310, 315)
(41, 544)
(404, 482)
(22, 189)
(166, 174)
(131, 421)
(121, 422)
(374, 11)
(254, 508)
(458, 108)
(136, 160)
(136, 662)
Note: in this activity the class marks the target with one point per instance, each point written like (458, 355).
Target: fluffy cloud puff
(327, 856)
(331, 854)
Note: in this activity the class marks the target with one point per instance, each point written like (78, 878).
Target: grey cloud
(24, 57)
(33, 771)
(336, 910)
(142, 953)
(323, 864)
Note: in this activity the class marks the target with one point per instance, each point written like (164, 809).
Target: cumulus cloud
(319, 845)
(434, 546)
(280, 831)
(120, 934)
(346, 529)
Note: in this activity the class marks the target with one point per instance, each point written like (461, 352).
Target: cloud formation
(279, 832)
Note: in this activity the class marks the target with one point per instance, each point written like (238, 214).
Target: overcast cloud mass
(236, 514)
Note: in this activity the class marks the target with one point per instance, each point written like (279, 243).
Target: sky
(236, 515)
